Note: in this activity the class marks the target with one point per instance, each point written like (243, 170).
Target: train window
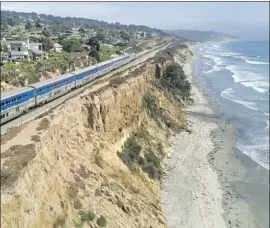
(7, 114)
(25, 95)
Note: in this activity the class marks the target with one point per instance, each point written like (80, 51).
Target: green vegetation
(106, 52)
(17, 74)
(102, 222)
(72, 45)
(98, 159)
(176, 81)
(62, 24)
(60, 222)
(154, 111)
(28, 25)
(131, 152)
(87, 216)
(173, 79)
(133, 155)
(165, 55)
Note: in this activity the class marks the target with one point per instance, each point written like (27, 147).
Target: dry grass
(11, 133)
(72, 190)
(43, 125)
(79, 182)
(15, 159)
(127, 181)
(35, 138)
(77, 204)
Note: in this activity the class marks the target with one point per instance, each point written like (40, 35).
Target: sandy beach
(197, 189)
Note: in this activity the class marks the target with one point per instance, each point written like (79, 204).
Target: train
(19, 101)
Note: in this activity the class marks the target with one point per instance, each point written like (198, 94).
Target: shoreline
(204, 169)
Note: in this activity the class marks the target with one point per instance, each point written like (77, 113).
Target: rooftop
(57, 45)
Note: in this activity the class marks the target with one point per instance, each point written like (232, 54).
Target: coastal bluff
(70, 167)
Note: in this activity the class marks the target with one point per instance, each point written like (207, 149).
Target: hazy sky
(248, 20)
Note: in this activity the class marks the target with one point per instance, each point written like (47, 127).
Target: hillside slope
(98, 158)
(194, 35)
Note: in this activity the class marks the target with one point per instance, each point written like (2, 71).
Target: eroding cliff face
(67, 172)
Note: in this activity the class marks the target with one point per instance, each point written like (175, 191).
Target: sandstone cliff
(64, 169)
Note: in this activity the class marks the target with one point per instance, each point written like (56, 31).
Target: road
(45, 108)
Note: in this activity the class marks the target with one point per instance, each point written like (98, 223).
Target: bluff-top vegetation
(62, 24)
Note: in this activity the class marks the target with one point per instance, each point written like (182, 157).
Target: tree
(94, 53)
(47, 44)
(94, 44)
(124, 36)
(81, 30)
(37, 24)
(11, 22)
(100, 36)
(46, 33)
(149, 35)
(28, 25)
(72, 45)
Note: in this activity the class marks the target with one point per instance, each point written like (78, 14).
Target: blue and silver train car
(119, 61)
(16, 102)
(85, 75)
(105, 67)
(50, 89)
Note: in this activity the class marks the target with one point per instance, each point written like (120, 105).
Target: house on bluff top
(24, 50)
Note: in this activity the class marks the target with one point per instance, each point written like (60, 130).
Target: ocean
(236, 74)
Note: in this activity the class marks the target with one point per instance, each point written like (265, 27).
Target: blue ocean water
(236, 73)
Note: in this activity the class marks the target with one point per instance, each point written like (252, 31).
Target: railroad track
(34, 113)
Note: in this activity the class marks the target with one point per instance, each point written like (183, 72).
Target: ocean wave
(260, 86)
(249, 79)
(214, 69)
(229, 95)
(255, 153)
(216, 59)
(230, 54)
(256, 62)
(241, 75)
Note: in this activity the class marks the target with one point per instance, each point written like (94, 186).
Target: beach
(197, 191)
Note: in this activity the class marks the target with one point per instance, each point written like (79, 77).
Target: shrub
(120, 203)
(151, 170)
(131, 151)
(87, 216)
(98, 159)
(101, 221)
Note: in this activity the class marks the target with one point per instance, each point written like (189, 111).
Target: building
(24, 50)
(57, 47)
(4, 56)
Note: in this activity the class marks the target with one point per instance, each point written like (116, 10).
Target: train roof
(13, 92)
(49, 81)
(38, 84)
(84, 69)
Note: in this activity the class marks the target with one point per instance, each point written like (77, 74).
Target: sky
(245, 20)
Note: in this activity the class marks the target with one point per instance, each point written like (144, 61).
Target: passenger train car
(20, 100)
